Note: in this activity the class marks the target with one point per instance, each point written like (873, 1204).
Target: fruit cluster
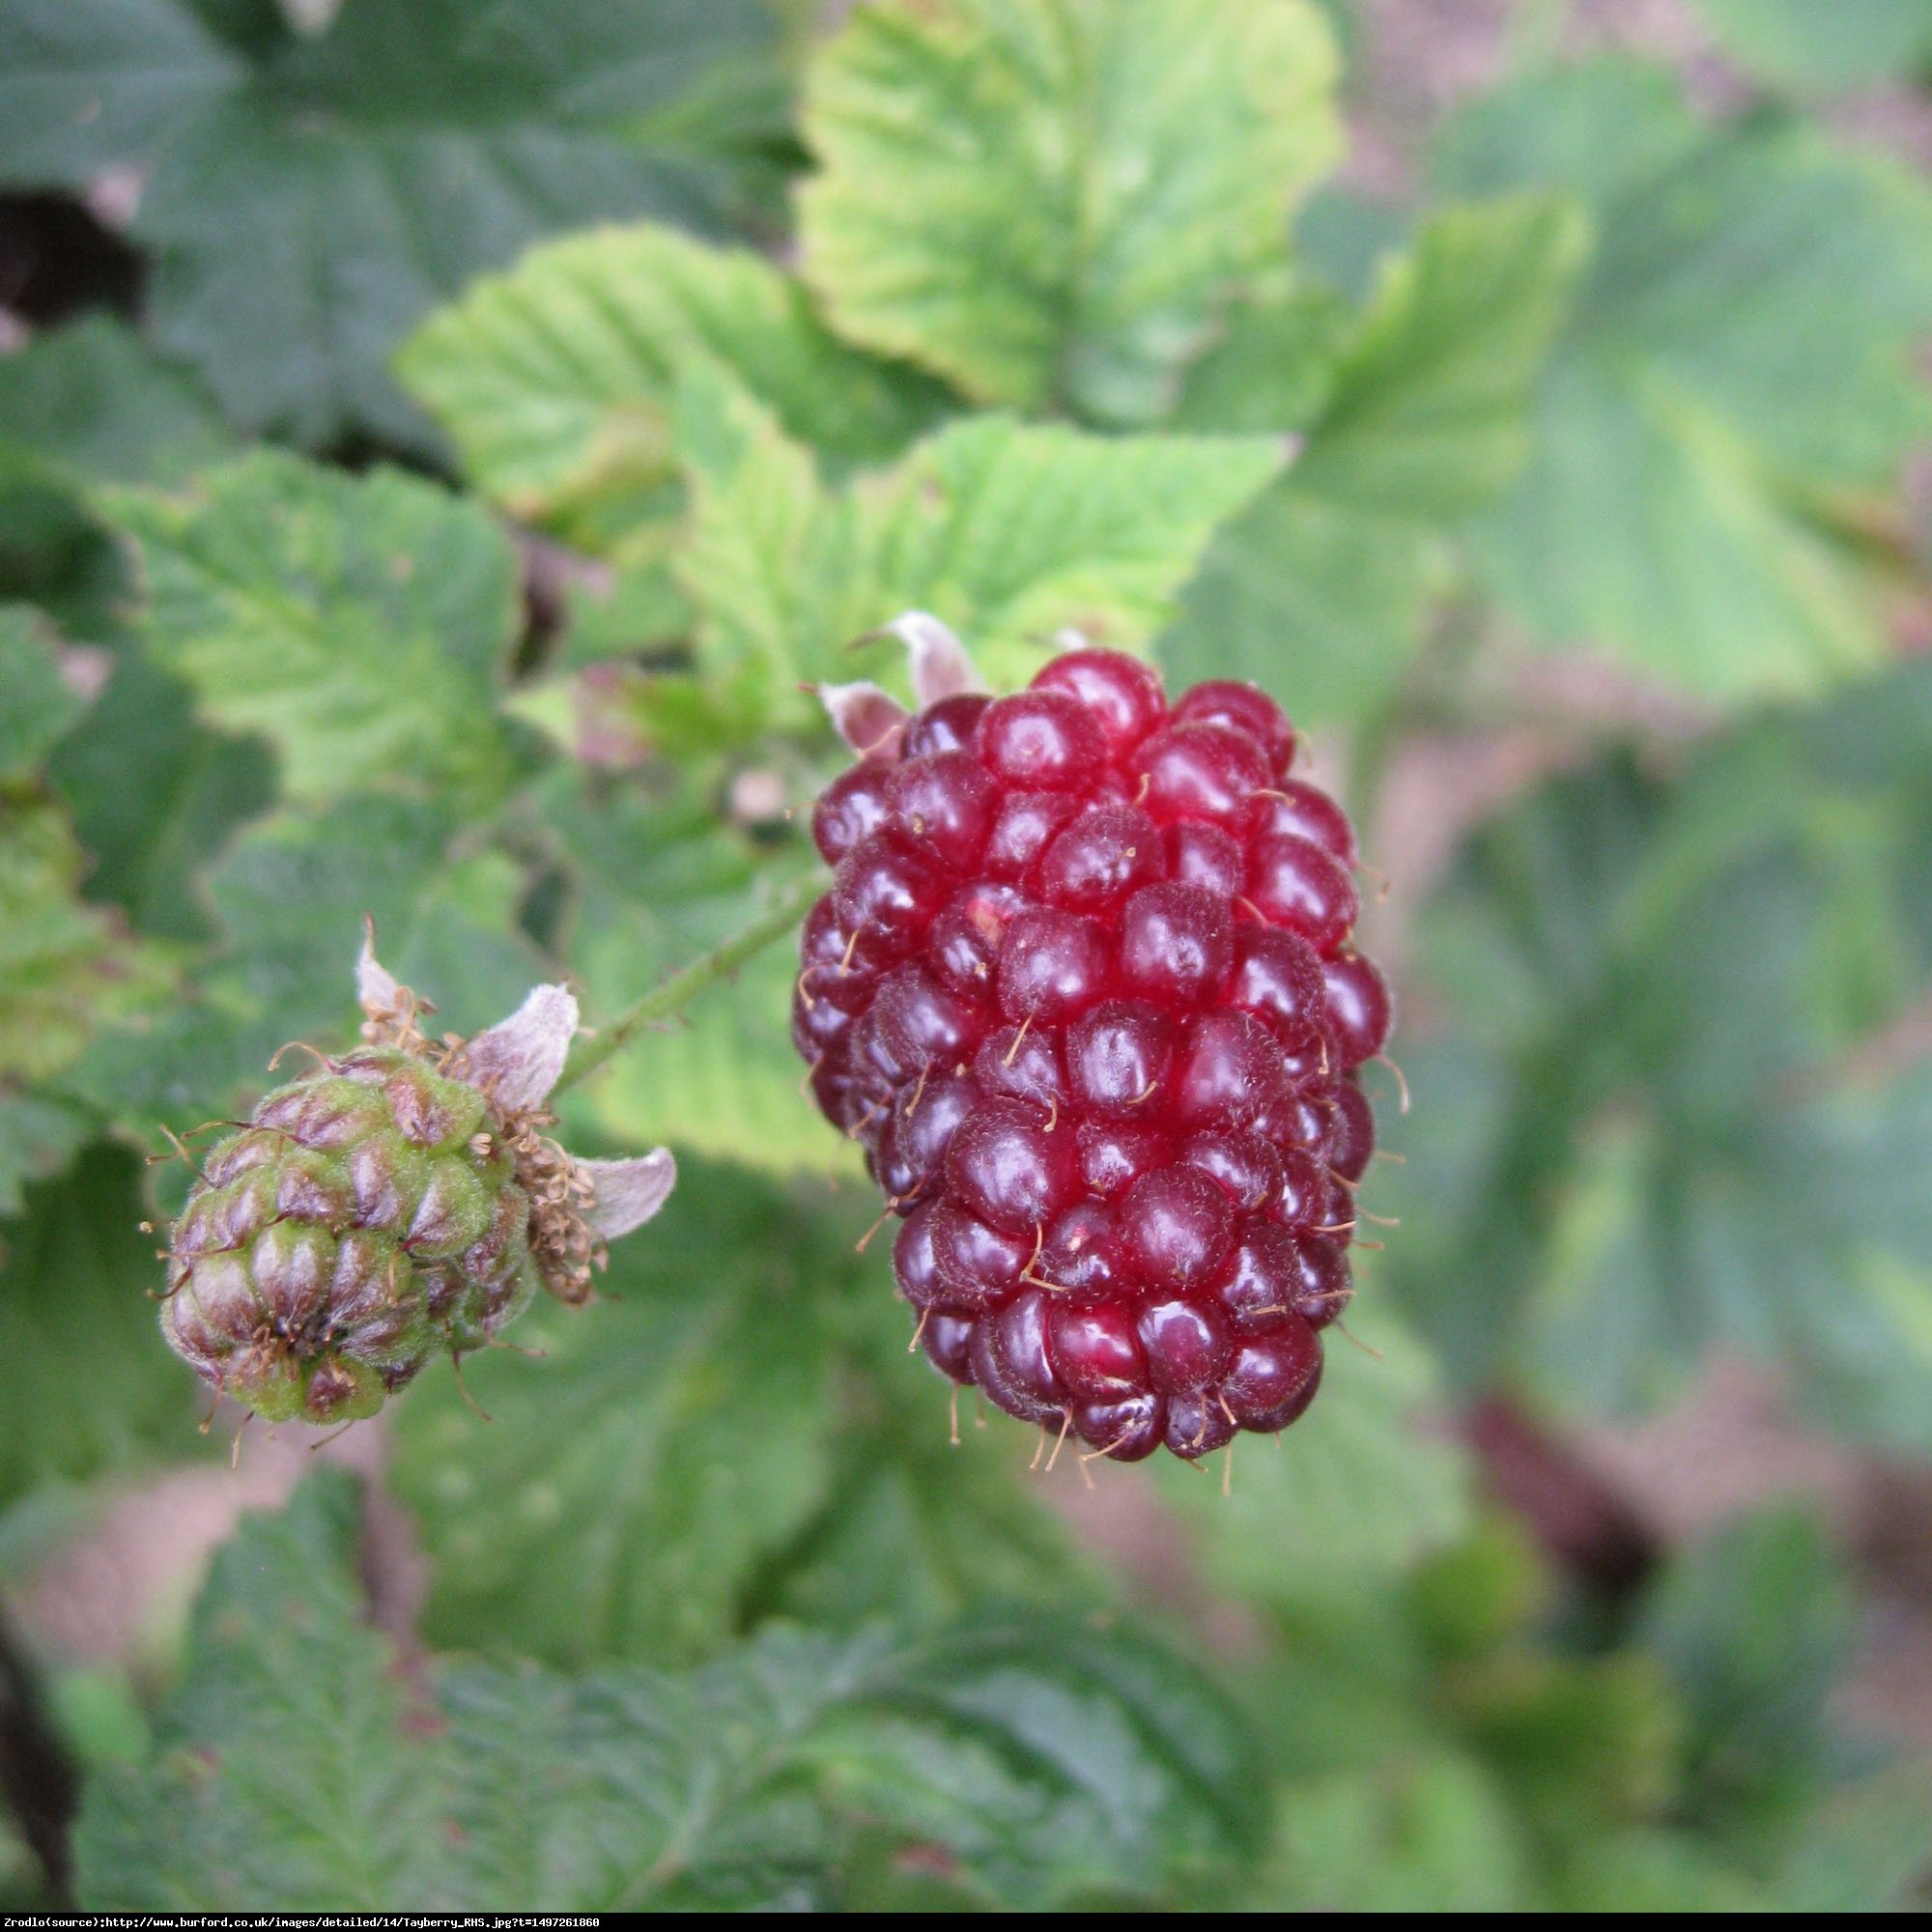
(1083, 988)
(395, 1202)
(361, 1220)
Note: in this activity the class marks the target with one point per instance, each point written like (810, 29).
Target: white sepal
(518, 1061)
(869, 720)
(628, 1192)
(939, 664)
(378, 991)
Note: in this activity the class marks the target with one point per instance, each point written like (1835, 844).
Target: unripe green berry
(394, 1203)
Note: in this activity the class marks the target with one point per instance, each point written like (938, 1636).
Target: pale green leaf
(1318, 590)
(1274, 365)
(1318, 605)
(360, 624)
(1429, 415)
(1052, 202)
(1734, 392)
(1007, 532)
(1815, 45)
(557, 380)
(1429, 1833)
(65, 968)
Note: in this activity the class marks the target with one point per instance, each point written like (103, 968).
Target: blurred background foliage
(438, 440)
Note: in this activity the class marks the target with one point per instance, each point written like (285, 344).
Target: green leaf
(672, 1440)
(92, 403)
(1754, 1625)
(36, 704)
(38, 1138)
(1036, 1765)
(1360, 1489)
(64, 968)
(1427, 420)
(82, 81)
(1318, 590)
(1864, 1848)
(1674, 1116)
(1008, 532)
(87, 1382)
(1428, 1833)
(1321, 606)
(294, 1761)
(1051, 203)
(1275, 364)
(932, 1506)
(156, 798)
(79, 405)
(1814, 47)
(290, 898)
(359, 623)
(1727, 408)
(314, 194)
(1587, 1745)
(653, 886)
(557, 380)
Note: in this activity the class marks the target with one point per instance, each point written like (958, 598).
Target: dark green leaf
(156, 798)
(1359, 1489)
(85, 1378)
(653, 886)
(36, 704)
(290, 898)
(314, 194)
(297, 1768)
(65, 968)
(1671, 1113)
(91, 403)
(1754, 1625)
(672, 1440)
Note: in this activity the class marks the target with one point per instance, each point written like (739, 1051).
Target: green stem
(682, 987)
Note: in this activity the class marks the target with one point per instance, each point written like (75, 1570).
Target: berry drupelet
(1084, 991)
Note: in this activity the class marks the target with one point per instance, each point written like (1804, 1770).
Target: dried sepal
(517, 1062)
(869, 720)
(626, 1193)
(939, 664)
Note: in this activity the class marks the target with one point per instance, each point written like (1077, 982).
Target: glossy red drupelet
(1083, 989)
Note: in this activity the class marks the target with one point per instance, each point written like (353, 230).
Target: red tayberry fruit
(1084, 989)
